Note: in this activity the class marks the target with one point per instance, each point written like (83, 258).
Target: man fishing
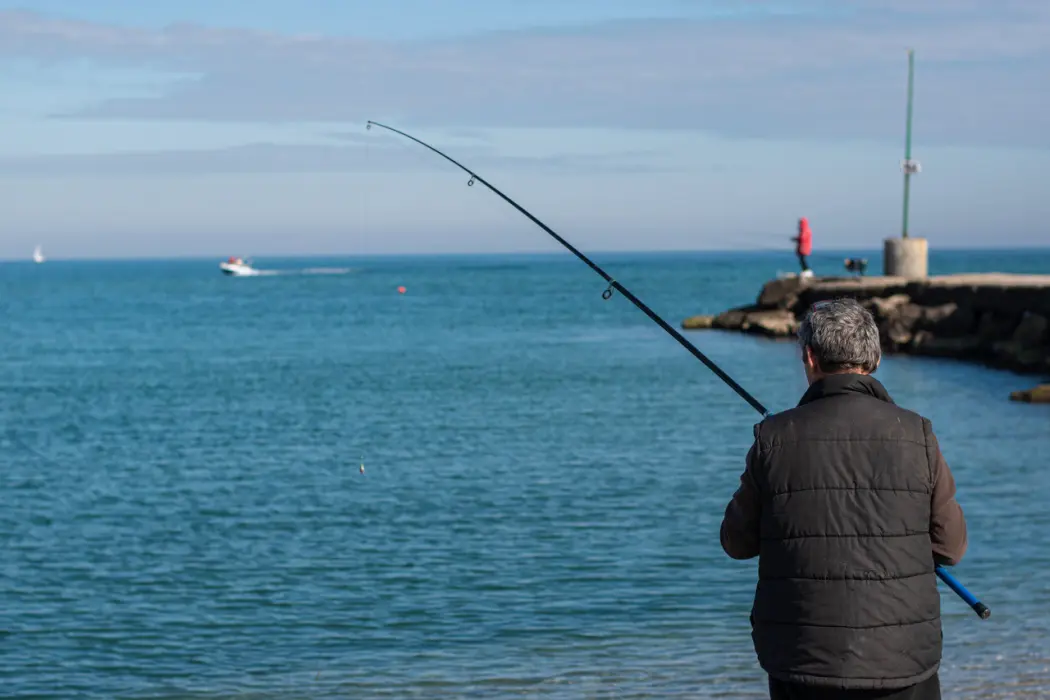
(804, 246)
(848, 503)
(825, 335)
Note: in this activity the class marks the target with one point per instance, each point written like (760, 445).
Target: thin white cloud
(981, 77)
(258, 158)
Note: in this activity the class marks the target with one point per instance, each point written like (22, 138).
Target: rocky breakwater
(999, 320)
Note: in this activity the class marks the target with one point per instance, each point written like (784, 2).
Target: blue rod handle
(978, 607)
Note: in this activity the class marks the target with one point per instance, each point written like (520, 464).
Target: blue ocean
(306, 484)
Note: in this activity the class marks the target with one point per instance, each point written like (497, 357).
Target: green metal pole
(907, 142)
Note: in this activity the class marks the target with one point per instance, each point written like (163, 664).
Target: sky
(215, 128)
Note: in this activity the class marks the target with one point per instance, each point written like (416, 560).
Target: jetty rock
(1039, 394)
(1000, 320)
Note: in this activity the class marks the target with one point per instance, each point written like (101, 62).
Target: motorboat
(237, 267)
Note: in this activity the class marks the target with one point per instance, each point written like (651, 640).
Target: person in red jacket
(804, 245)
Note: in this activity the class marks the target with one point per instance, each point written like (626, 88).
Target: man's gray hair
(842, 335)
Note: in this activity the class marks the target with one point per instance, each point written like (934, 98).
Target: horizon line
(193, 257)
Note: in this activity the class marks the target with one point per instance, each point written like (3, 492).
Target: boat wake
(327, 270)
(308, 271)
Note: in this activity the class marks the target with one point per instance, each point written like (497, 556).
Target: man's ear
(808, 358)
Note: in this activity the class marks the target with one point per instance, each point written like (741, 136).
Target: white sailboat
(38, 255)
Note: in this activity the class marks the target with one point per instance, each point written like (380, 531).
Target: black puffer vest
(847, 596)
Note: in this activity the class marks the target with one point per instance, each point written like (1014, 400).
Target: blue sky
(212, 128)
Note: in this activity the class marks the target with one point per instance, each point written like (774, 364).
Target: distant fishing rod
(980, 608)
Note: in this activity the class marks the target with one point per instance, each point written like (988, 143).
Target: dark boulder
(780, 294)
(898, 327)
(947, 320)
(1031, 332)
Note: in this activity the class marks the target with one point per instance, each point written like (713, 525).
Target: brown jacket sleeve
(740, 526)
(947, 523)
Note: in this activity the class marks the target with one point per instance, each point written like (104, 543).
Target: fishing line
(980, 608)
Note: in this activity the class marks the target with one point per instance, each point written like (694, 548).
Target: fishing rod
(613, 284)
(980, 608)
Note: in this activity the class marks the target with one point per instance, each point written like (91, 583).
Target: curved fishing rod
(613, 284)
(980, 608)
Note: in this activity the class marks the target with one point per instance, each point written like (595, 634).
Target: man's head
(839, 336)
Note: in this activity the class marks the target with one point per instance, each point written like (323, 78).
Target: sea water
(183, 512)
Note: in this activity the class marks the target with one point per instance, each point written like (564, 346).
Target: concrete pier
(999, 320)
